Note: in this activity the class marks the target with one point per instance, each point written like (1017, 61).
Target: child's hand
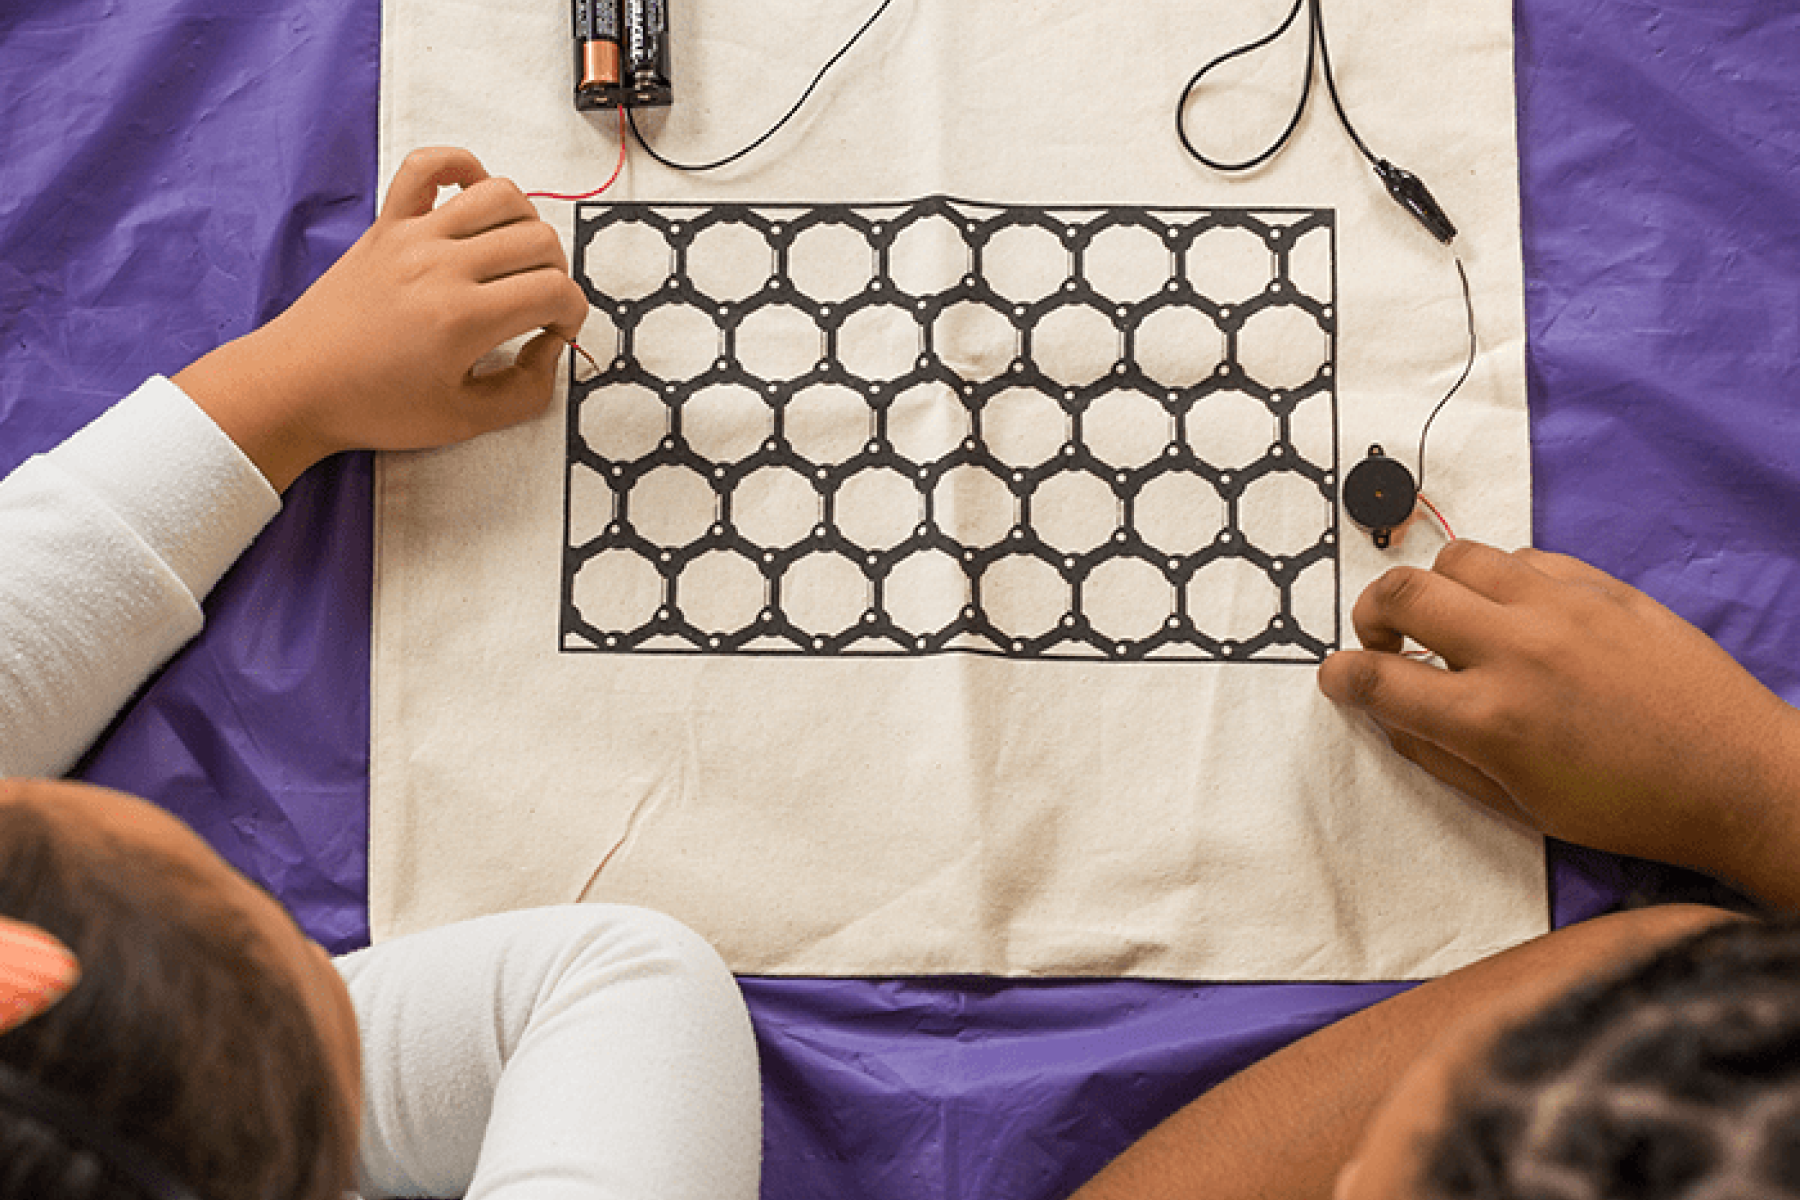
(378, 354)
(1579, 705)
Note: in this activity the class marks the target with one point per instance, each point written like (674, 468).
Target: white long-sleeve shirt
(108, 544)
(554, 1054)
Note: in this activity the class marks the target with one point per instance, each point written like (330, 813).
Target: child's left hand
(379, 353)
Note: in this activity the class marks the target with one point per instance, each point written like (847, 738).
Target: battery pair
(622, 54)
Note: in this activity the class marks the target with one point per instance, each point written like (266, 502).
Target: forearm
(1752, 840)
(112, 539)
(1284, 1127)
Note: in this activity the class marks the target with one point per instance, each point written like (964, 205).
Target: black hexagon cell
(628, 260)
(1075, 345)
(1127, 263)
(1024, 263)
(827, 424)
(928, 256)
(1103, 433)
(726, 422)
(728, 261)
(675, 343)
(829, 263)
(878, 343)
(624, 422)
(778, 343)
(975, 341)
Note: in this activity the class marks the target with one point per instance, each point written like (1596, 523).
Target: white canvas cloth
(652, 660)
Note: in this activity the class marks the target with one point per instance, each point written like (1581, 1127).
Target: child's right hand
(1581, 706)
(379, 353)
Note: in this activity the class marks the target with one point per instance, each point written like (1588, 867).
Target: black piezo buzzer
(1379, 494)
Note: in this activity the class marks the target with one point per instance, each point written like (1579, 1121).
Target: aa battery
(647, 53)
(622, 54)
(598, 54)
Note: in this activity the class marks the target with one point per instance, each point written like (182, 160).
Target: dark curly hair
(182, 1040)
(1679, 1077)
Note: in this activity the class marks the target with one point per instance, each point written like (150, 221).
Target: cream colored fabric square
(933, 577)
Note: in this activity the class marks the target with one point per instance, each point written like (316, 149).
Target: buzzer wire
(1468, 367)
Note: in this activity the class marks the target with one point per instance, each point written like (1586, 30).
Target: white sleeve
(107, 545)
(568, 1053)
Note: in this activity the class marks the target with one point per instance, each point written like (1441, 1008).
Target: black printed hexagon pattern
(917, 428)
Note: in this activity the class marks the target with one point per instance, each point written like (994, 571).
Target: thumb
(522, 389)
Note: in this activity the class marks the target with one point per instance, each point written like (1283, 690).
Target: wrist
(1755, 845)
(256, 400)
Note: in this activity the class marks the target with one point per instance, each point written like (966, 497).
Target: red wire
(618, 168)
(610, 179)
(1448, 532)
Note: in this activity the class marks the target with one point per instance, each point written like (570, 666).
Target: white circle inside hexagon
(1126, 430)
(1282, 347)
(927, 422)
(1178, 347)
(878, 343)
(1178, 514)
(1231, 429)
(827, 423)
(1075, 345)
(1023, 427)
(1229, 264)
(778, 342)
(623, 421)
(1074, 512)
(1283, 513)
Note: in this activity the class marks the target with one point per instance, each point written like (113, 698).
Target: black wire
(1469, 366)
(631, 114)
(1316, 52)
(1318, 24)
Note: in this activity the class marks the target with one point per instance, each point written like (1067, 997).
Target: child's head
(207, 1033)
(1679, 1077)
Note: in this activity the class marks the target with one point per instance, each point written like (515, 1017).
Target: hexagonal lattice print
(917, 428)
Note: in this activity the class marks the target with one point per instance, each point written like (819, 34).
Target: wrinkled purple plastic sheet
(173, 172)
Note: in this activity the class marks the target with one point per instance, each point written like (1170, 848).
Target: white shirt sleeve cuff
(174, 476)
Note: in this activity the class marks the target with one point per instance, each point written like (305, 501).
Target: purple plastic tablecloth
(173, 172)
